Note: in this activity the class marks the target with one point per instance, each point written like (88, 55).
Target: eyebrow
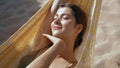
(66, 14)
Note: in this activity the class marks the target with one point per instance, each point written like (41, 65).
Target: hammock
(20, 43)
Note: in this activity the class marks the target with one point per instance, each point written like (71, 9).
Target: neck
(68, 52)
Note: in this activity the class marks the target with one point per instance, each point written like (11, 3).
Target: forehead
(64, 10)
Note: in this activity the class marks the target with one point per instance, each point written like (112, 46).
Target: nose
(57, 21)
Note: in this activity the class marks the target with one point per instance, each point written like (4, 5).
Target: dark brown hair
(81, 18)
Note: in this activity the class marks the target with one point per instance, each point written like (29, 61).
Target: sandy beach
(14, 13)
(108, 32)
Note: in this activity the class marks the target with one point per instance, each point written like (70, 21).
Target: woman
(68, 27)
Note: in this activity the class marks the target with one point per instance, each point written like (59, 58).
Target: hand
(54, 40)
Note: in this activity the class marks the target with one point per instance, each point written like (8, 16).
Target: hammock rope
(20, 43)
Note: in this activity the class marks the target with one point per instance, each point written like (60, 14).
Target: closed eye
(65, 17)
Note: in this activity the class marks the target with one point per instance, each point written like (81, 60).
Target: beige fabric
(20, 43)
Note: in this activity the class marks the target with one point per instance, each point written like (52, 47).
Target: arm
(54, 7)
(47, 21)
(52, 11)
(50, 16)
(45, 59)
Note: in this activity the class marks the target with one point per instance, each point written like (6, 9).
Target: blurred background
(108, 32)
(14, 13)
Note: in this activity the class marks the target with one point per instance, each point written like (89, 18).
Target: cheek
(69, 24)
(69, 28)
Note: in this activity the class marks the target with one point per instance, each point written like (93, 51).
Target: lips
(57, 27)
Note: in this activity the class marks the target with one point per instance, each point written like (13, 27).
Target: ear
(79, 28)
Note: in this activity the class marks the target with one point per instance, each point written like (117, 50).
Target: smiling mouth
(57, 27)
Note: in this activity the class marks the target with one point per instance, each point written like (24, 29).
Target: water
(13, 14)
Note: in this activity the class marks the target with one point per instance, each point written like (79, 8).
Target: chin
(59, 35)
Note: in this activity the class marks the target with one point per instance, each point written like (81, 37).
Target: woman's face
(63, 24)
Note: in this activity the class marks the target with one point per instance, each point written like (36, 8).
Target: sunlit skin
(64, 32)
(64, 24)
(64, 21)
(64, 27)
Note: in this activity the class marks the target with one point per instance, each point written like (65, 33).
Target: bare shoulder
(61, 63)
